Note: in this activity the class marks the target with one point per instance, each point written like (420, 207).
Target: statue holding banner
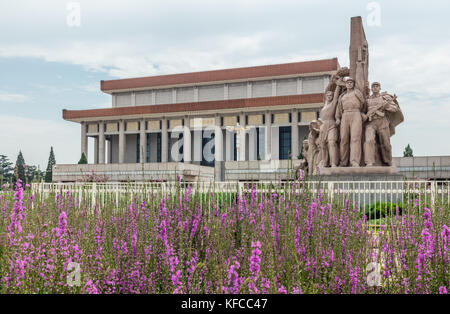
(382, 116)
(354, 127)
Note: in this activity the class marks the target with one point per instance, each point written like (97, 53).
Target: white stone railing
(425, 193)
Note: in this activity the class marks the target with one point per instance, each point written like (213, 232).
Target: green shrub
(381, 210)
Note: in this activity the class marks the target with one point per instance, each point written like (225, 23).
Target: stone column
(197, 152)
(268, 136)
(242, 138)
(229, 145)
(122, 143)
(275, 149)
(295, 145)
(187, 140)
(102, 143)
(143, 142)
(219, 169)
(110, 150)
(252, 144)
(84, 139)
(164, 141)
(96, 150)
(218, 140)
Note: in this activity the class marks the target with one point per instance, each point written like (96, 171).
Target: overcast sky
(48, 64)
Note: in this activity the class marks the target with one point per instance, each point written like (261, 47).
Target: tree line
(10, 172)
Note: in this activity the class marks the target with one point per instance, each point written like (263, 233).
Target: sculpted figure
(349, 115)
(305, 148)
(303, 162)
(328, 136)
(381, 107)
(313, 146)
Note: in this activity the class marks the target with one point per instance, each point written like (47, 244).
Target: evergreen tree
(83, 159)
(19, 170)
(6, 169)
(408, 152)
(51, 163)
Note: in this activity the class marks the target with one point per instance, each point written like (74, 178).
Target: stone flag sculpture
(356, 121)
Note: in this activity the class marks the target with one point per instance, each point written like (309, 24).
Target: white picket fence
(359, 192)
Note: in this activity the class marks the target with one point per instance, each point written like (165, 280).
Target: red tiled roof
(195, 106)
(222, 75)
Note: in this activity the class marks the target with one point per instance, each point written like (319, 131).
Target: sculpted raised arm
(338, 113)
(336, 96)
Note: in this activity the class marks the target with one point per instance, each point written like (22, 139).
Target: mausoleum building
(232, 124)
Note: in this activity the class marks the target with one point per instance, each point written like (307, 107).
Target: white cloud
(412, 67)
(34, 138)
(90, 88)
(126, 58)
(417, 74)
(51, 89)
(12, 98)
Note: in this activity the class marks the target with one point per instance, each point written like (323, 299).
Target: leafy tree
(83, 159)
(6, 169)
(34, 174)
(408, 152)
(19, 170)
(51, 163)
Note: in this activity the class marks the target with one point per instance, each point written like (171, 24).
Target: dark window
(238, 119)
(246, 120)
(299, 116)
(169, 139)
(271, 118)
(258, 155)
(138, 148)
(284, 138)
(317, 114)
(264, 118)
(290, 117)
(158, 147)
(181, 149)
(147, 148)
(221, 121)
(234, 147)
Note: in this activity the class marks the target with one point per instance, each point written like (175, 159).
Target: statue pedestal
(375, 173)
(380, 184)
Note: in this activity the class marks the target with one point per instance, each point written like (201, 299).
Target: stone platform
(375, 173)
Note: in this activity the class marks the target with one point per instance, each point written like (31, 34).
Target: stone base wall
(260, 170)
(133, 172)
(424, 167)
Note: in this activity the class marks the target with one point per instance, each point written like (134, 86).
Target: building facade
(215, 124)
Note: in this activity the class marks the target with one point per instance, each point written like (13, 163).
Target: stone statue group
(354, 126)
